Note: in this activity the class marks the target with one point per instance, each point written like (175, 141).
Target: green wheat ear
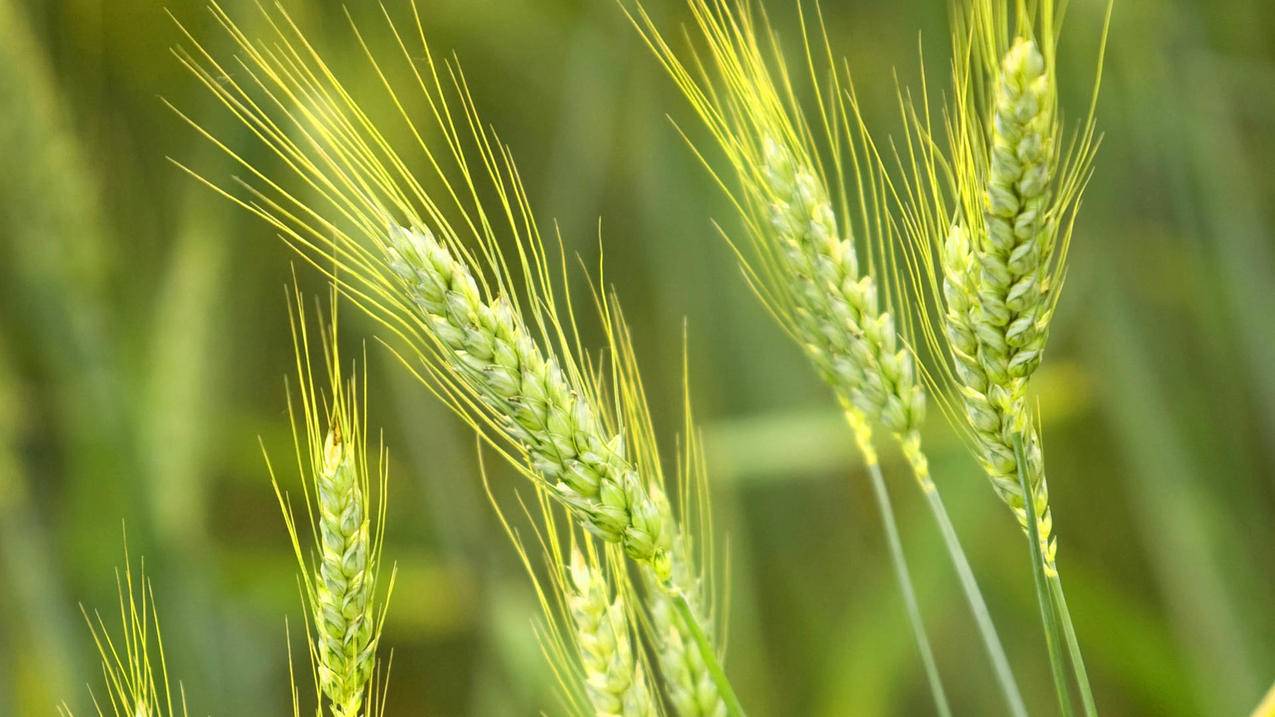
(133, 664)
(344, 493)
(614, 678)
(990, 201)
(687, 683)
(802, 257)
(589, 629)
(538, 406)
(484, 331)
(688, 680)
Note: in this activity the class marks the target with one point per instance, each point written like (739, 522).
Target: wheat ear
(397, 252)
(539, 407)
(995, 412)
(613, 677)
(802, 259)
(344, 620)
(688, 681)
(680, 644)
(1000, 201)
(344, 496)
(839, 321)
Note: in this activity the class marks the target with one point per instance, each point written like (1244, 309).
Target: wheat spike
(614, 679)
(435, 275)
(559, 428)
(993, 412)
(1016, 244)
(997, 285)
(687, 682)
(839, 321)
(343, 614)
(344, 496)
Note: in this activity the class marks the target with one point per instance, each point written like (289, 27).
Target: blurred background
(144, 341)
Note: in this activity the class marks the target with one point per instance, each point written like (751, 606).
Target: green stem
(1048, 622)
(905, 584)
(708, 652)
(978, 606)
(1073, 645)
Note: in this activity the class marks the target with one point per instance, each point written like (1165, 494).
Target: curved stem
(978, 606)
(709, 653)
(905, 585)
(1073, 646)
(1048, 622)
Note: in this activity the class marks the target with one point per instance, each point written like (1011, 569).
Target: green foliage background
(143, 343)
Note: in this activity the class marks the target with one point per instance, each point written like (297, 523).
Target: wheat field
(672, 357)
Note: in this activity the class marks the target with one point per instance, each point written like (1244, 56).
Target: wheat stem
(905, 585)
(1048, 620)
(863, 437)
(707, 651)
(973, 595)
(1073, 645)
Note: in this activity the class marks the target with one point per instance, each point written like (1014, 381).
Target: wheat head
(614, 679)
(806, 224)
(344, 620)
(558, 427)
(344, 490)
(990, 203)
(482, 330)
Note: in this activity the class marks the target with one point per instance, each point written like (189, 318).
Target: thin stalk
(978, 606)
(905, 585)
(1073, 645)
(709, 653)
(1048, 622)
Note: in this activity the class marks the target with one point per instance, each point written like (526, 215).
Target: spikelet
(345, 502)
(483, 331)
